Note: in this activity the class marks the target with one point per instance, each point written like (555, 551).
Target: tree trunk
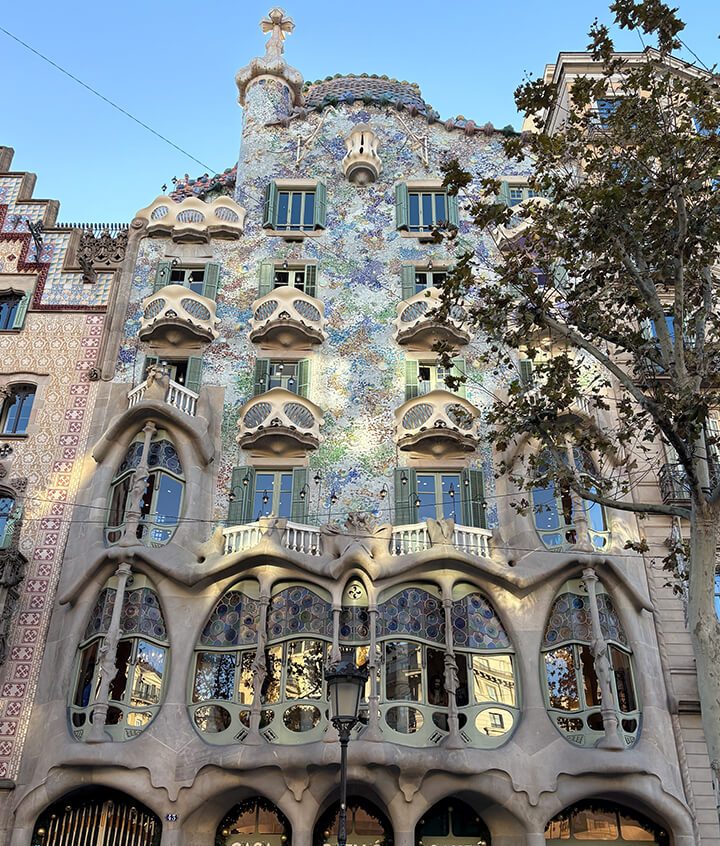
(704, 624)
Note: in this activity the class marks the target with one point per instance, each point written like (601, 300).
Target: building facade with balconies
(287, 476)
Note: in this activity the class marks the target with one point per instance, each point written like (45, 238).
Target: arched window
(367, 825)
(256, 820)
(16, 409)
(140, 662)
(572, 686)
(553, 509)
(95, 817)
(9, 515)
(161, 502)
(451, 821)
(598, 821)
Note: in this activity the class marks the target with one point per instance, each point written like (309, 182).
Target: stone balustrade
(176, 395)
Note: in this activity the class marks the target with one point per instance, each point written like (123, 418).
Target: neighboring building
(284, 478)
(55, 282)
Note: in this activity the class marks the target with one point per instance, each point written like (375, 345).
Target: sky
(172, 65)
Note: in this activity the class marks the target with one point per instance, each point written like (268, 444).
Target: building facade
(277, 474)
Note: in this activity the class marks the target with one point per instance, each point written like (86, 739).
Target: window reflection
(214, 676)
(403, 675)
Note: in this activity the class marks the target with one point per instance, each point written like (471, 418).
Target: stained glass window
(298, 610)
(412, 611)
(476, 625)
(233, 621)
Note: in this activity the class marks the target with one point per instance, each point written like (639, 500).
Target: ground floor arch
(254, 821)
(97, 816)
(451, 822)
(367, 824)
(596, 822)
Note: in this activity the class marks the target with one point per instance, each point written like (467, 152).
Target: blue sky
(172, 64)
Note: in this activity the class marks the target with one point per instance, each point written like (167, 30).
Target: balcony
(418, 328)
(279, 422)
(176, 315)
(193, 220)
(674, 485)
(438, 424)
(176, 395)
(287, 319)
(515, 230)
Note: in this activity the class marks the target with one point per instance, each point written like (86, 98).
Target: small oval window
(494, 721)
(404, 719)
(211, 718)
(301, 717)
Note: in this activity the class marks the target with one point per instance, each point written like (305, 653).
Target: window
(418, 210)
(257, 493)
(606, 107)
(273, 276)
(421, 495)
(16, 409)
(596, 820)
(200, 280)
(514, 193)
(553, 507)
(421, 377)
(573, 690)
(140, 661)
(13, 308)
(161, 501)
(182, 371)
(295, 210)
(415, 280)
(293, 376)
(10, 514)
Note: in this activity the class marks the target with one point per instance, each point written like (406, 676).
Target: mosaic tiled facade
(326, 521)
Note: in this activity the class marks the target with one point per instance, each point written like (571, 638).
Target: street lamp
(345, 682)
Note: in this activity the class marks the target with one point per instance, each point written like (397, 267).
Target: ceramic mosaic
(413, 612)
(476, 625)
(570, 620)
(233, 621)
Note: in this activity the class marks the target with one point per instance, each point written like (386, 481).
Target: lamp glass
(345, 694)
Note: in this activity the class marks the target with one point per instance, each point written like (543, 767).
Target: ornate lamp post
(345, 683)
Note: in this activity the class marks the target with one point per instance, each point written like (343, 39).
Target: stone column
(599, 647)
(108, 655)
(453, 740)
(373, 730)
(404, 838)
(137, 489)
(335, 649)
(259, 671)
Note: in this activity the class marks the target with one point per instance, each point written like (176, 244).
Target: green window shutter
(299, 507)
(459, 370)
(504, 196)
(452, 210)
(310, 279)
(405, 510)
(149, 359)
(271, 204)
(21, 312)
(262, 372)
(241, 496)
(303, 377)
(526, 372)
(407, 281)
(14, 518)
(473, 498)
(411, 379)
(266, 277)
(193, 377)
(210, 283)
(320, 208)
(401, 206)
(162, 275)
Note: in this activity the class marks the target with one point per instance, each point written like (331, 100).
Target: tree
(610, 287)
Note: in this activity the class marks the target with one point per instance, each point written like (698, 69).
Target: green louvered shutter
(193, 376)
(411, 380)
(162, 275)
(241, 496)
(320, 208)
(303, 377)
(10, 523)
(266, 277)
(22, 308)
(473, 498)
(262, 373)
(210, 282)
(299, 507)
(271, 204)
(401, 206)
(407, 281)
(504, 196)
(459, 370)
(452, 210)
(405, 509)
(526, 372)
(149, 359)
(311, 279)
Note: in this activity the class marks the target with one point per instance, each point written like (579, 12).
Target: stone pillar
(108, 655)
(335, 650)
(453, 740)
(137, 490)
(373, 730)
(404, 838)
(259, 671)
(599, 647)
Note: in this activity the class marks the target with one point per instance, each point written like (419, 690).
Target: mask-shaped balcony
(287, 318)
(514, 232)
(279, 422)
(176, 314)
(418, 328)
(438, 424)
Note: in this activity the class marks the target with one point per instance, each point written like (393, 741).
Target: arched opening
(97, 817)
(367, 825)
(254, 820)
(451, 822)
(592, 822)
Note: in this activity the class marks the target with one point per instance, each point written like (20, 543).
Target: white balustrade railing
(408, 539)
(242, 537)
(296, 537)
(177, 395)
(301, 538)
(472, 540)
